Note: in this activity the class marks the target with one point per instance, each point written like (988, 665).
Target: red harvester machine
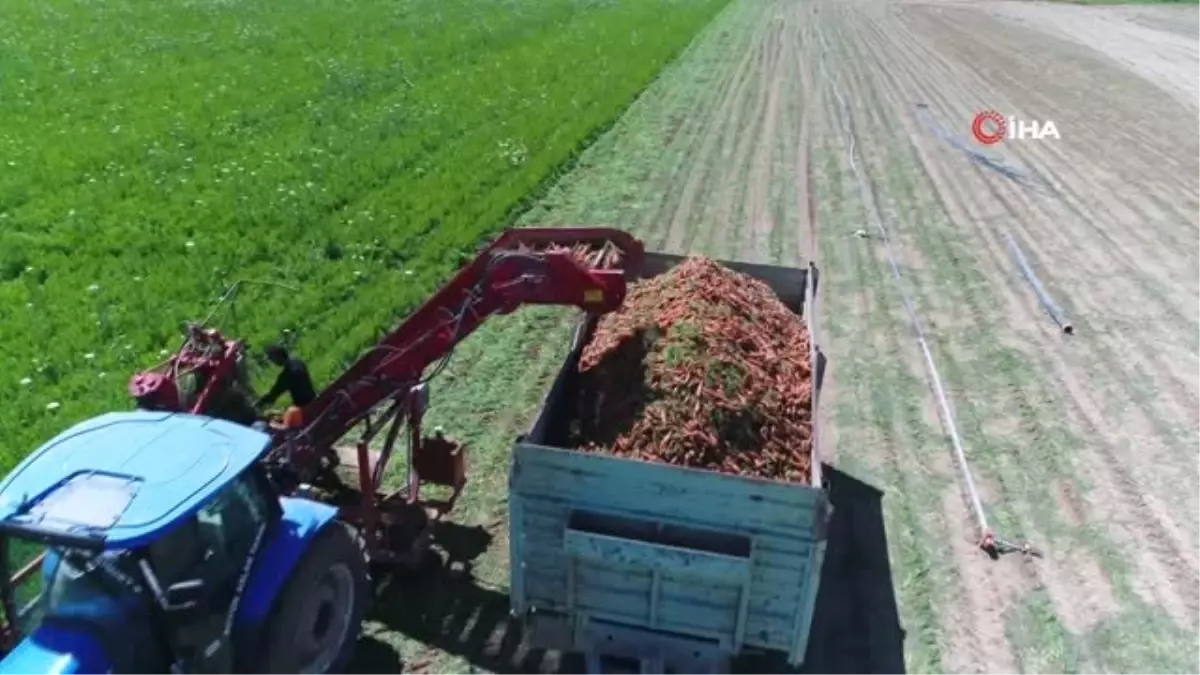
(325, 449)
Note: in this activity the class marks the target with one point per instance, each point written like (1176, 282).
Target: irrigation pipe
(1014, 174)
(987, 540)
(1022, 179)
(1052, 309)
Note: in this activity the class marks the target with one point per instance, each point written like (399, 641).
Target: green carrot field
(153, 153)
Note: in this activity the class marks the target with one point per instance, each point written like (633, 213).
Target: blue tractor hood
(56, 649)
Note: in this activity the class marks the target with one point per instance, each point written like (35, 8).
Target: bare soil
(1107, 217)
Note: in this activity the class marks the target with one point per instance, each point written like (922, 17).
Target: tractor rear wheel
(317, 619)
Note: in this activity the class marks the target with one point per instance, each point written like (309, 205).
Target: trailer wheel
(317, 619)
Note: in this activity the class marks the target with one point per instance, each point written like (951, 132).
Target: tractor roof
(119, 480)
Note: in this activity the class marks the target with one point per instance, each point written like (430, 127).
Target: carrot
(702, 367)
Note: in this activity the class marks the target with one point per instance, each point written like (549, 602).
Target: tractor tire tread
(337, 542)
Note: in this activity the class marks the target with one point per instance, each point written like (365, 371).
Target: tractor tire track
(720, 195)
(784, 205)
(685, 180)
(737, 192)
(680, 104)
(755, 244)
(700, 165)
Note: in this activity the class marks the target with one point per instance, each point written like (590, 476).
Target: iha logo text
(990, 127)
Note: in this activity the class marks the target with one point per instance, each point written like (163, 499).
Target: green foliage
(151, 153)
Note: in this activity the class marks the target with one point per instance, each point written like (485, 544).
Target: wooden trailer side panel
(718, 557)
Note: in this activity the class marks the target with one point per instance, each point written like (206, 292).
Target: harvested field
(702, 367)
(789, 126)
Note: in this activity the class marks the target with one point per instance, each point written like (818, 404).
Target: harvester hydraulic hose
(987, 539)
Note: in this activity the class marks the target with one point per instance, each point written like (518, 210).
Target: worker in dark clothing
(293, 378)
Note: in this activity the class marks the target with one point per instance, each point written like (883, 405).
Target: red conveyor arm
(523, 266)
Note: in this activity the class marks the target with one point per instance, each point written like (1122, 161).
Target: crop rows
(153, 153)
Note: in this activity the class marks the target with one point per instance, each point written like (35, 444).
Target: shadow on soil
(856, 627)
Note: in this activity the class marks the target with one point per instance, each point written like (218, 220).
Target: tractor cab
(128, 540)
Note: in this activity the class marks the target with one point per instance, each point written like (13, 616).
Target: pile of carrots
(702, 367)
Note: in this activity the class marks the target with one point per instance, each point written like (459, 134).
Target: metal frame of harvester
(387, 388)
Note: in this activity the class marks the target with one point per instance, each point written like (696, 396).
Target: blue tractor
(163, 546)
(190, 536)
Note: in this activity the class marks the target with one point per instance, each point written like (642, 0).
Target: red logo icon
(989, 127)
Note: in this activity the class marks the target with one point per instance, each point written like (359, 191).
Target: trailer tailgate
(672, 549)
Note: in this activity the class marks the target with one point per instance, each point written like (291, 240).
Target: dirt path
(787, 127)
